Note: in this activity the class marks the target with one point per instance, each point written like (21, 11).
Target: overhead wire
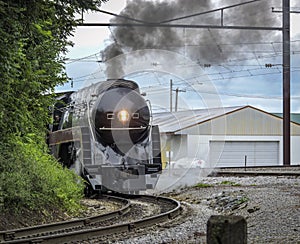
(274, 52)
(161, 90)
(217, 92)
(257, 67)
(72, 60)
(206, 12)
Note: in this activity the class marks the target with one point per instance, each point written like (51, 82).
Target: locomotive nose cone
(121, 119)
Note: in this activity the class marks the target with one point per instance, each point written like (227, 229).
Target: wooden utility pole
(176, 98)
(286, 82)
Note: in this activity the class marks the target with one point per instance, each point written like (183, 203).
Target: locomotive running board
(66, 135)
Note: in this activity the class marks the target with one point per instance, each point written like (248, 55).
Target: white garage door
(232, 153)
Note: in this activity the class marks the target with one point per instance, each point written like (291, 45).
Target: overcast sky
(237, 75)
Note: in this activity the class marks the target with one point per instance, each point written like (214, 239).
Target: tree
(33, 43)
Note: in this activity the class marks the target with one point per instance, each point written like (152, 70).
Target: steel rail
(272, 167)
(108, 230)
(257, 173)
(39, 230)
(293, 170)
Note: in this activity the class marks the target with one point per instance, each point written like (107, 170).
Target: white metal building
(226, 137)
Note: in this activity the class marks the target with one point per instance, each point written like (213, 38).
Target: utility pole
(176, 98)
(286, 82)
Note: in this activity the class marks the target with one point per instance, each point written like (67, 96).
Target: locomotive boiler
(105, 133)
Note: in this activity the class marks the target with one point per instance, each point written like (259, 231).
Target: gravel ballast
(270, 205)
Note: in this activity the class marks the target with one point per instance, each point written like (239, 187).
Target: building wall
(247, 121)
(198, 146)
(247, 124)
(295, 153)
(173, 147)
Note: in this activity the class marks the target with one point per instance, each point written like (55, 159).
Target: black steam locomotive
(105, 133)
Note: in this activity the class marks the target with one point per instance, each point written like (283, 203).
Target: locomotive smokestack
(203, 45)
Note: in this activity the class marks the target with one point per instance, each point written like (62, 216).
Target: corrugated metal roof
(295, 117)
(170, 122)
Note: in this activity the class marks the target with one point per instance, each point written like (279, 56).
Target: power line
(276, 52)
(258, 67)
(82, 58)
(160, 91)
(206, 12)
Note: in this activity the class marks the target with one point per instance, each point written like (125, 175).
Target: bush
(33, 179)
(34, 36)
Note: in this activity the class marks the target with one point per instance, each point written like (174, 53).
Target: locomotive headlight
(123, 116)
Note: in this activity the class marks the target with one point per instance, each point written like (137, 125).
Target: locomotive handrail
(127, 128)
(151, 115)
(91, 130)
(150, 132)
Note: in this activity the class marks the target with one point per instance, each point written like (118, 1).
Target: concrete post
(226, 230)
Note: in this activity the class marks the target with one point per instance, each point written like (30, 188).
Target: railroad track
(293, 171)
(98, 226)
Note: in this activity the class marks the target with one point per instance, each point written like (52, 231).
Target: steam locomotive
(105, 133)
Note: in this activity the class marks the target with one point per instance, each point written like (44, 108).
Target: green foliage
(242, 200)
(32, 178)
(229, 183)
(202, 185)
(33, 42)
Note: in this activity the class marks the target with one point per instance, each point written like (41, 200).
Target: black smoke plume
(202, 45)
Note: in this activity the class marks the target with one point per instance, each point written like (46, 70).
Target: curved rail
(113, 229)
(40, 230)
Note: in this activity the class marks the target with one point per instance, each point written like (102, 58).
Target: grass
(202, 185)
(243, 200)
(229, 183)
(224, 183)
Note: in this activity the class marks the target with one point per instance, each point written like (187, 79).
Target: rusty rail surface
(81, 235)
(39, 230)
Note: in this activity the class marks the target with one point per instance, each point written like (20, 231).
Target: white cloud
(89, 40)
